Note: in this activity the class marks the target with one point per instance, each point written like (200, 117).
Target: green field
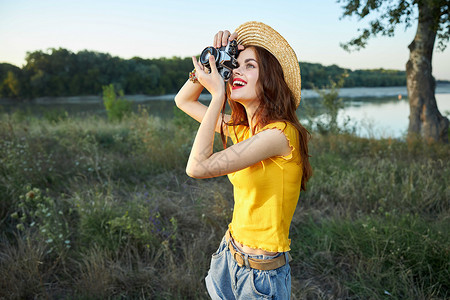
(92, 209)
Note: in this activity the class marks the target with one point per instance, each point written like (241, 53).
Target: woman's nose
(237, 71)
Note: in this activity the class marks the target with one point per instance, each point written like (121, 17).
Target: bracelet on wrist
(193, 76)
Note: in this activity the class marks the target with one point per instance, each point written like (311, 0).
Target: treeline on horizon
(62, 73)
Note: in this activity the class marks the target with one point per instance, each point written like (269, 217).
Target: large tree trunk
(424, 119)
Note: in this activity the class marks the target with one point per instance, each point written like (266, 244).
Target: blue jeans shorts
(226, 280)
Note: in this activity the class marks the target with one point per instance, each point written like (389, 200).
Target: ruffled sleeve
(289, 131)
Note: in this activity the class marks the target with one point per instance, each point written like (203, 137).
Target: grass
(93, 209)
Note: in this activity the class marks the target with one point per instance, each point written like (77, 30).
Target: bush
(50, 219)
(324, 120)
(115, 104)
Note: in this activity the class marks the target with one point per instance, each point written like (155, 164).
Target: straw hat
(259, 34)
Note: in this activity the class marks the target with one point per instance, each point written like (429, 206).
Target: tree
(332, 104)
(115, 104)
(10, 86)
(433, 22)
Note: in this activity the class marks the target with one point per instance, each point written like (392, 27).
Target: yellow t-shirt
(266, 194)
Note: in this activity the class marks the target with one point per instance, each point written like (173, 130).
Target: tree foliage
(60, 72)
(393, 13)
(115, 103)
(9, 81)
(317, 75)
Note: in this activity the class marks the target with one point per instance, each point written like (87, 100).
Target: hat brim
(259, 34)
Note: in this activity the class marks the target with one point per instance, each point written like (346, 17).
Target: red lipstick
(238, 83)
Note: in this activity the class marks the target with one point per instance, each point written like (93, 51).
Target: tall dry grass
(92, 210)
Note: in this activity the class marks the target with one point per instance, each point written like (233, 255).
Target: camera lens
(226, 75)
(204, 57)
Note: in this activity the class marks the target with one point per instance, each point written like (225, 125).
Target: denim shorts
(226, 280)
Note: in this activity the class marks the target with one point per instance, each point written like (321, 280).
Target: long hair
(277, 103)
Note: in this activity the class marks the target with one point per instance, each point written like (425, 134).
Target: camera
(225, 56)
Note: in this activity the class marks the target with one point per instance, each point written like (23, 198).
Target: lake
(385, 117)
(374, 112)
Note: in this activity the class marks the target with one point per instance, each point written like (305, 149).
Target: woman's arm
(266, 144)
(187, 101)
(187, 97)
(203, 163)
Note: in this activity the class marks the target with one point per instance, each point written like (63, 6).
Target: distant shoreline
(354, 92)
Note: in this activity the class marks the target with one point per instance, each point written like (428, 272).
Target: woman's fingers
(212, 64)
(233, 36)
(197, 66)
(218, 39)
(212, 81)
(200, 69)
(222, 37)
(225, 36)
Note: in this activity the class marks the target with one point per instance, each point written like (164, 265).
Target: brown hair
(277, 103)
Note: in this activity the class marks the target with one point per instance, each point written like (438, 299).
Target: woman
(268, 164)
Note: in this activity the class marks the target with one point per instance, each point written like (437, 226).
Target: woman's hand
(213, 82)
(223, 37)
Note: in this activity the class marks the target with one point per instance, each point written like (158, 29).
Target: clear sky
(152, 29)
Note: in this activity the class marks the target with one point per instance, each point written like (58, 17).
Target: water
(378, 112)
(386, 117)
(374, 112)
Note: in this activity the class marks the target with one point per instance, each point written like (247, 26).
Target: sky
(153, 29)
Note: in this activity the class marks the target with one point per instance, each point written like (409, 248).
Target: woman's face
(245, 77)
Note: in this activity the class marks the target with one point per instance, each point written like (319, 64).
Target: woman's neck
(250, 110)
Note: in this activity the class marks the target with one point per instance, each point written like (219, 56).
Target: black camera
(226, 58)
